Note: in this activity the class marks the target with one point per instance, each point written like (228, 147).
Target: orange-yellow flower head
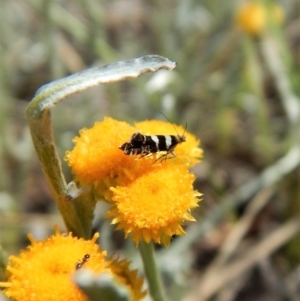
(44, 270)
(96, 155)
(151, 196)
(253, 16)
(96, 159)
(155, 206)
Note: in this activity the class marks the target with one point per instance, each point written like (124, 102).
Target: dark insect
(80, 264)
(143, 145)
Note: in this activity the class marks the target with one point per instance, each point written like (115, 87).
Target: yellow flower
(43, 271)
(150, 198)
(96, 155)
(252, 16)
(155, 205)
(96, 159)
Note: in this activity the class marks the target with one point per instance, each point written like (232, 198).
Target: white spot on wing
(155, 139)
(168, 141)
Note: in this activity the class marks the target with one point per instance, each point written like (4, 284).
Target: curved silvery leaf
(76, 210)
(51, 94)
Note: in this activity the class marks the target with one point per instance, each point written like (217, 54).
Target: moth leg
(144, 154)
(165, 157)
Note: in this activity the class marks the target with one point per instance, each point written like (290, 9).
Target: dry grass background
(245, 245)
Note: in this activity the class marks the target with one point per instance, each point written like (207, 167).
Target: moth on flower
(145, 145)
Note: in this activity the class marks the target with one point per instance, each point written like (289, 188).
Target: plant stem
(151, 271)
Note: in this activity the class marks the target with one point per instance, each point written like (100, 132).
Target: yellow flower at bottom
(43, 271)
(155, 205)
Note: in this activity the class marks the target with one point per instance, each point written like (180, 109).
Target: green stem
(151, 271)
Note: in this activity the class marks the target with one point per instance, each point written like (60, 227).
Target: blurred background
(236, 85)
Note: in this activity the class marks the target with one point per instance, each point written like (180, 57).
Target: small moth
(80, 264)
(144, 145)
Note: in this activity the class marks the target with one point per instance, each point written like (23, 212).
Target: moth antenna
(174, 126)
(184, 130)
